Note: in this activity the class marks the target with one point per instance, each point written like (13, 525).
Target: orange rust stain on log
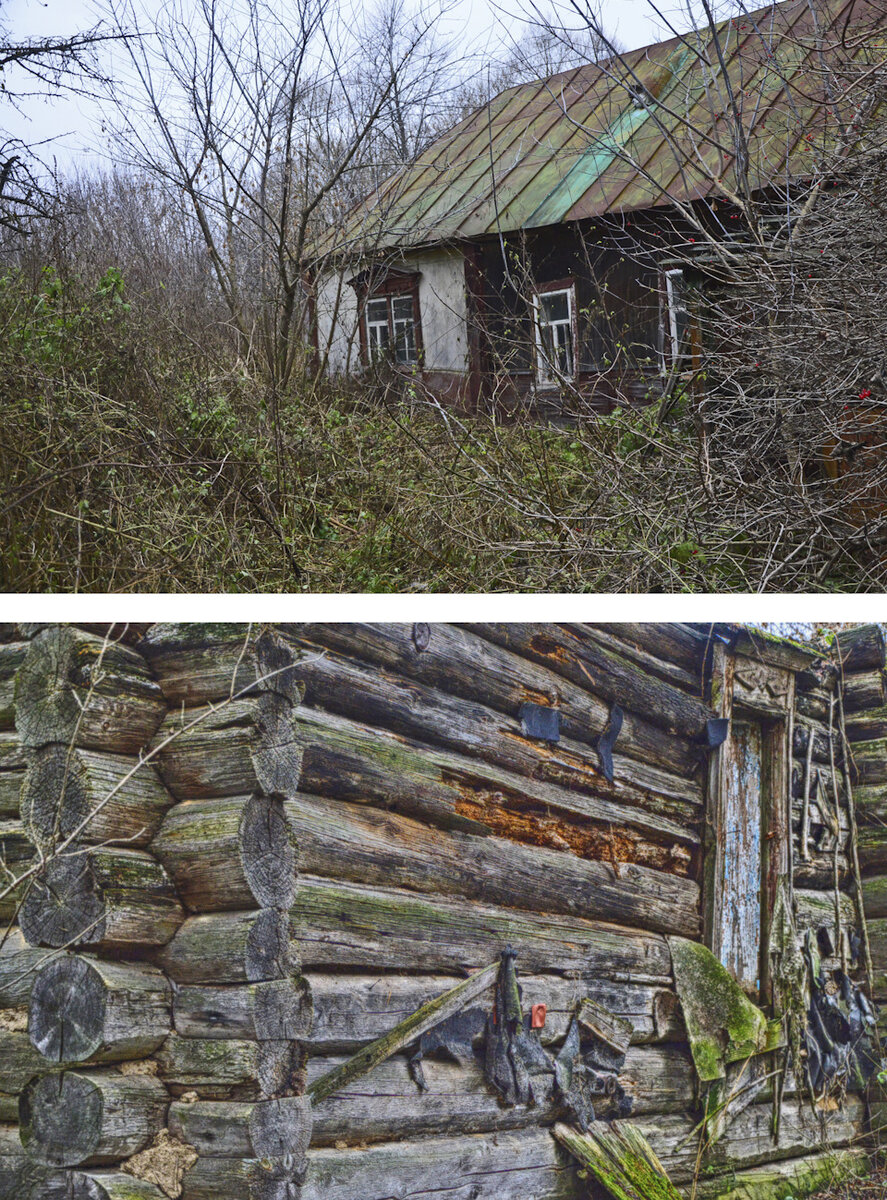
(533, 825)
(543, 644)
(544, 699)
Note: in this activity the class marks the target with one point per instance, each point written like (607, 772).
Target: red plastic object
(537, 1016)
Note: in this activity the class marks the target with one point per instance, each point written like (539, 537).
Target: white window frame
(377, 347)
(547, 373)
(675, 307)
(376, 350)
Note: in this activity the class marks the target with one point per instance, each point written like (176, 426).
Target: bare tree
(40, 67)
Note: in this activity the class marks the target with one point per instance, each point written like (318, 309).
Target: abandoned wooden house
(549, 242)
(499, 911)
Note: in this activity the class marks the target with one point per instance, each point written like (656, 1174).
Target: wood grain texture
(196, 663)
(569, 651)
(19, 961)
(274, 1009)
(202, 846)
(84, 1009)
(19, 1061)
(242, 947)
(73, 687)
(113, 899)
(246, 746)
(386, 1105)
(342, 759)
(265, 1129)
(340, 924)
(351, 1010)
(241, 1179)
(90, 1116)
(230, 1069)
(230, 853)
(67, 789)
(861, 648)
(96, 1185)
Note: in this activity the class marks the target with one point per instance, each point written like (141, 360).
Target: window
(377, 328)
(555, 339)
(391, 328)
(675, 302)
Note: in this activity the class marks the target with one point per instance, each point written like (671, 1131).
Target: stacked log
(236, 1067)
(861, 652)
(84, 708)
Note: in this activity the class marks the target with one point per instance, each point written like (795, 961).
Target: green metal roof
(647, 129)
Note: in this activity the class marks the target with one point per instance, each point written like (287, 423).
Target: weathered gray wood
(73, 686)
(113, 899)
(348, 925)
(350, 1010)
(868, 726)
(230, 853)
(871, 803)
(96, 1185)
(872, 847)
(368, 846)
(861, 648)
(504, 1166)
(386, 1105)
(613, 1030)
(660, 646)
(864, 692)
(877, 930)
(512, 1166)
(343, 760)
(10, 793)
(13, 755)
(870, 761)
(411, 1028)
(246, 746)
(84, 1008)
(568, 650)
(874, 896)
(241, 1179)
(90, 1116)
(12, 655)
(243, 947)
(196, 663)
(277, 1008)
(19, 1061)
(477, 731)
(229, 1069)
(265, 1129)
(67, 789)
(19, 962)
(20, 1178)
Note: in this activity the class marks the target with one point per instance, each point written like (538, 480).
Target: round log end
(66, 1014)
(60, 1117)
(269, 852)
(53, 799)
(64, 905)
(281, 1128)
(269, 950)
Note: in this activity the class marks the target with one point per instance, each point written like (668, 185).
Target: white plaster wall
(337, 323)
(442, 304)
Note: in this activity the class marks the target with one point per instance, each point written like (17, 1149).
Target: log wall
(335, 824)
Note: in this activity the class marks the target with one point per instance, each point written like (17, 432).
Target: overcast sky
(71, 127)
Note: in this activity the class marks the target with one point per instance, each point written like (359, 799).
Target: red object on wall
(537, 1016)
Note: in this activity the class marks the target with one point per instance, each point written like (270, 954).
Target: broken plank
(406, 1032)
